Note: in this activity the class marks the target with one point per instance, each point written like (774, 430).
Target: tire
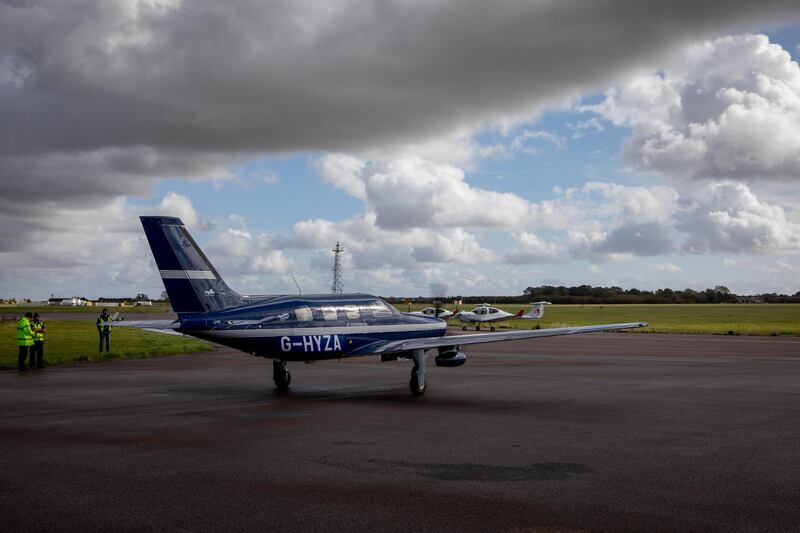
(282, 379)
(463, 328)
(283, 384)
(491, 329)
(477, 328)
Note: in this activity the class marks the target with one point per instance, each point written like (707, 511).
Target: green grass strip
(69, 341)
(708, 319)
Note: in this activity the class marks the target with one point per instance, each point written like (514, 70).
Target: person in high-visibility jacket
(24, 340)
(37, 352)
(104, 329)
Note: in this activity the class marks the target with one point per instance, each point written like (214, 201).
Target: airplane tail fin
(537, 310)
(191, 281)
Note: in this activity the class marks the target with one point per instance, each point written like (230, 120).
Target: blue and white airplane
(307, 327)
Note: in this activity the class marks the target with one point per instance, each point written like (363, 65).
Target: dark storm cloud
(257, 76)
(97, 96)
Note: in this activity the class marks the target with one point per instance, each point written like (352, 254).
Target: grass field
(76, 340)
(20, 309)
(716, 319)
(72, 340)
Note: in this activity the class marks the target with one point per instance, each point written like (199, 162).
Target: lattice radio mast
(336, 288)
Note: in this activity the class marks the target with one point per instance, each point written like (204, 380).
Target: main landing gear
(477, 328)
(417, 383)
(280, 375)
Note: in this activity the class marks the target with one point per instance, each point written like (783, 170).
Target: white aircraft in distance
(437, 312)
(308, 327)
(485, 313)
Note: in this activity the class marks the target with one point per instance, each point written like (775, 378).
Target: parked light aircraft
(306, 327)
(437, 312)
(484, 314)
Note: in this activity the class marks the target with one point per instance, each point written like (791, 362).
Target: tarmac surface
(600, 432)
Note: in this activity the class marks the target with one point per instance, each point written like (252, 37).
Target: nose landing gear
(280, 375)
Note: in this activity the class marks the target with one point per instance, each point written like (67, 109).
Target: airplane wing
(480, 338)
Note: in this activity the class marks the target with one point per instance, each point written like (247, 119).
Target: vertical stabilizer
(191, 281)
(537, 310)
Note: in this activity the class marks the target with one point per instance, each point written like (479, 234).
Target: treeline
(587, 294)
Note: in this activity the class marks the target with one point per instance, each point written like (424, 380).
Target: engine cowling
(450, 358)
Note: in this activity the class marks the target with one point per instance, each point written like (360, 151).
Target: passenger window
(329, 313)
(303, 314)
(351, 312)
(493, 310)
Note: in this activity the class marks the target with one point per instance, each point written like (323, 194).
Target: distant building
(73, 301)
(756, 299)
(113, 302)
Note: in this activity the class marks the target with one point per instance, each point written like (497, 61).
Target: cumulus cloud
(531, 249)
(637, 239)
(241, 253)
(717, 217)
(371, 246)
(102, 248)
(521, 141)
(413, 192)
(668, 268)
(102, 251)
(728, 217)
(725, 108)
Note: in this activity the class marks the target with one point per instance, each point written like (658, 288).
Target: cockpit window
(375, 309)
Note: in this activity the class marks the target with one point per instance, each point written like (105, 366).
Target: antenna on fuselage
(295, 282)
(336, 288)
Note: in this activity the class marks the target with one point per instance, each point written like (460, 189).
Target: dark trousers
(23, 354)
(107, 336)
(37, 353)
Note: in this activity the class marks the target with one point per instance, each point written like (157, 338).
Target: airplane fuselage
(308, 328)
(485, 314)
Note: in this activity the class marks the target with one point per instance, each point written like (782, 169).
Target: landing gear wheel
(491, 329)
(463, 328)
(413, 385)
(281, 376)
(477, 328)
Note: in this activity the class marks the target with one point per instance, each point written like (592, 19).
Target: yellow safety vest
(24, 333)
(37, 336)
(103, 324)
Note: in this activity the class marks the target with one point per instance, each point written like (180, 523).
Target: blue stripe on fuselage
(300, 347)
